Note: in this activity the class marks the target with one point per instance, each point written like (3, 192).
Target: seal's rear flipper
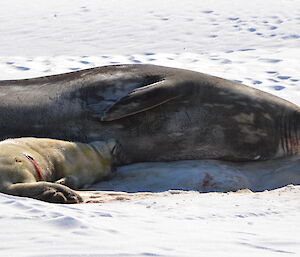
(141, 99)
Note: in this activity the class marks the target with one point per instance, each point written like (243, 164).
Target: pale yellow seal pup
(46, 169)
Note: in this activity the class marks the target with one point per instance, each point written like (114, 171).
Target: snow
(167, 224)
(253, 42)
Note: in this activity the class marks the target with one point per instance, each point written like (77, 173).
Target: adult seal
(155, 113)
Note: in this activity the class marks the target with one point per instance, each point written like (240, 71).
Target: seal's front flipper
(141, 99)
(45, 191)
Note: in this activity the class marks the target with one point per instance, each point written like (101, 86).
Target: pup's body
(44, 169)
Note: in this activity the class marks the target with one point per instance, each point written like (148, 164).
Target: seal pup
(47, 169)
(155, 113)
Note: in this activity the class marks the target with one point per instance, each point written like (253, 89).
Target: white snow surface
(254, 42)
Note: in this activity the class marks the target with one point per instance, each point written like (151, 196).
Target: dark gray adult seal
(155, 113)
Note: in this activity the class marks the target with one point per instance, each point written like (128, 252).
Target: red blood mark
(207, 181)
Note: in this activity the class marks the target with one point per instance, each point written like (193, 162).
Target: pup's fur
(47, 169)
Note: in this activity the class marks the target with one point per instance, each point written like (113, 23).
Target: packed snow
(184, 208)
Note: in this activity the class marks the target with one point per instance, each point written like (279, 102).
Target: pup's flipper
(45, 191)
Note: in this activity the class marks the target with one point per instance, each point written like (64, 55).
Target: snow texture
(164, 208)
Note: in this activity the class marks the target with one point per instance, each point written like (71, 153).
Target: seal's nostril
(17, 160)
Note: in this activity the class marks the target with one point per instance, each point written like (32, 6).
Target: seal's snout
(116, 151)
(112, 145)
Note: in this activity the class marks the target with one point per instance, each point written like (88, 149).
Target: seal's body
(45, 168)
(155, 113)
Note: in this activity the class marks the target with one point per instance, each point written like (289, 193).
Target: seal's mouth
(37, 168)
